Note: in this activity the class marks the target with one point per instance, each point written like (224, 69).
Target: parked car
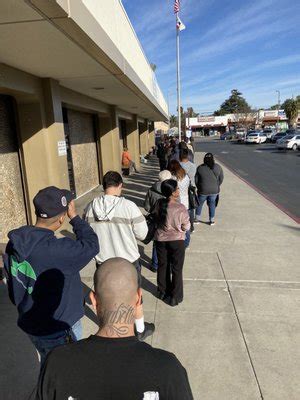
(226, 136)
(278, 136)
(256, 137)
(269, 132)
(240, 134)
(289, 142)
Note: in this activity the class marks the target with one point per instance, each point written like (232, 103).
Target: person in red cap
(42, 271)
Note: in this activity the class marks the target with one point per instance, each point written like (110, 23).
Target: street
(275, 173)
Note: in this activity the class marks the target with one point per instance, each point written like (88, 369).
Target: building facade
(203, 125)
(75, 87)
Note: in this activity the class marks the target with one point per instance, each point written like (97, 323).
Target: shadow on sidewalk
(19, 366)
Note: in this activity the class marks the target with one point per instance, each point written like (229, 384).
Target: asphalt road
(275, 173)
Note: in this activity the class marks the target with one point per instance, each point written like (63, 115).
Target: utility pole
(278, 107)
(178, 79)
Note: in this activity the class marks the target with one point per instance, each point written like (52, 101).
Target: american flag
(176, 6)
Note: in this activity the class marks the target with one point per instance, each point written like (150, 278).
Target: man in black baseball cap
(51, 201)
(43, 271)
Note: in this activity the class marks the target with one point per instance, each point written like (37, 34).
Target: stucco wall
(12, 209)
(84, 151)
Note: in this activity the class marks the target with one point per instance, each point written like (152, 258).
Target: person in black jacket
(113, 364)
(162, 155)
(43, 271)
(209, 177)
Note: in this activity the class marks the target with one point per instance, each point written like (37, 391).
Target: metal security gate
(12, 209)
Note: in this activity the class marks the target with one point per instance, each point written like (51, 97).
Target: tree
(291, 109)
(153, 67)
(234, 104)
(173, 121)
(190, 113)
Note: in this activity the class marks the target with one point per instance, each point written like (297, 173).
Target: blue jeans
(154, 257)
(187, 239)
(44, 344)
(211, 202)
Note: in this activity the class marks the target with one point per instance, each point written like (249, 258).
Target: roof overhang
(48, 39)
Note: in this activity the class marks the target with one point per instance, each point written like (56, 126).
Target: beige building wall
(133, 140)
(151, 135)
(161, 126)
(41, 132)
(110, 142)
(144, 138)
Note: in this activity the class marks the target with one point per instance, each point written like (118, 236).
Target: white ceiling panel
(42, 50)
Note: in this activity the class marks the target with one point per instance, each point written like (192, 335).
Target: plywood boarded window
(82, 139)
(12, 209)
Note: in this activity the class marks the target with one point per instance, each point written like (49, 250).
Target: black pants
(162, 164)
(170, 264)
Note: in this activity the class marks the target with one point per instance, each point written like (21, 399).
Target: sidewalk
(237, 330)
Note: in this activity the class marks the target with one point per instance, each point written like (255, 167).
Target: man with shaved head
(113, 364)
(119, 223)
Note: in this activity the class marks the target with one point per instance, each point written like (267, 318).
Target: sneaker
(173, 302)
(148, 331)
(196, 221)
(161, 295)
(211, 223)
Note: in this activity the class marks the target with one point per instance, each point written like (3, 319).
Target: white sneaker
(211, 223)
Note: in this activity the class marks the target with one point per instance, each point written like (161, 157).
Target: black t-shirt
(100, 368)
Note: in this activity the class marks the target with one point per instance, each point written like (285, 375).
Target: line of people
(43, 279)
(180, 191)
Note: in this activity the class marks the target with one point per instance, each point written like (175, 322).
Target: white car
(289, 142)
(270, 132)
(240, 134)
(256, 137)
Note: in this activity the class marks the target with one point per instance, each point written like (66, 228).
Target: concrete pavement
(237, 331)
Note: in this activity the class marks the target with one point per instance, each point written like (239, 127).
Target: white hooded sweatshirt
(118, 223)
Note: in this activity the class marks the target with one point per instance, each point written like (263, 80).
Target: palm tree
(173, 121)
(291, 111)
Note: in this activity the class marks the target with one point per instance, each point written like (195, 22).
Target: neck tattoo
(117, 322)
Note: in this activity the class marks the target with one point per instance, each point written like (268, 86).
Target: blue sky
(252, 46)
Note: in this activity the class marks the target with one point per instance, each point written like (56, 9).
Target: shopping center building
(204, 125)
(75, 87)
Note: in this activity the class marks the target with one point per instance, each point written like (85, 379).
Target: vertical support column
(133, 140)
(144, 138)
(110, 142)
(55, 133)
(151, 135)
(41, 128)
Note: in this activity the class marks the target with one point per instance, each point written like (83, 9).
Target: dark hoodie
(153, 194)
(43, 276)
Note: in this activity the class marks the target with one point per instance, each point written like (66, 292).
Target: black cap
(51, 201)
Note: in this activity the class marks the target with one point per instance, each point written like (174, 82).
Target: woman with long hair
(173, 223)
(179, 174)
(209, 177)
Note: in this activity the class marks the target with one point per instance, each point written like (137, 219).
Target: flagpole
(178, 78)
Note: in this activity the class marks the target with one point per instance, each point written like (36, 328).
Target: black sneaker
(197, 221)
(211, 223)
(161, 295)
(148, 331)
(173, 302)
